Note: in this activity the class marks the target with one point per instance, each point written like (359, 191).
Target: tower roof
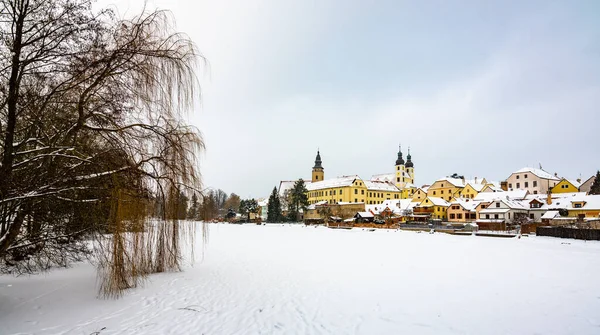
(318, 161)
(409, 163)
(400, 160)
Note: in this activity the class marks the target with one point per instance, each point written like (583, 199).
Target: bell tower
(399, 170)
(410, 167)
(317, 172)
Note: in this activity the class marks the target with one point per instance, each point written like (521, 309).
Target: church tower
(317, 171)
(399, 171)
(410, 168)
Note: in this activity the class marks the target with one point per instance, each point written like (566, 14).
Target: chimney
(475, 180)
(579, 180)
(555, 174)
(504, 185)
(549, 199)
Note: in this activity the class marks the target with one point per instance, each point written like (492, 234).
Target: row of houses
(525, 195)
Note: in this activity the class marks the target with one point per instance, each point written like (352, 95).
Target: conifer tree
(298, 200)
(595, 189)
(274, 207)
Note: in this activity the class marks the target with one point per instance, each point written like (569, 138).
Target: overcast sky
(481, 88)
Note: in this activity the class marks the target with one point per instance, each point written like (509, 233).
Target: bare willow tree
(93, 139)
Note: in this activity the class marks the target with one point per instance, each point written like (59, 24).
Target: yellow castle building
(353, 189)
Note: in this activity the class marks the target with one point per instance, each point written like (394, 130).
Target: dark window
(398, 179)
(341, 192)
(452, 216)
(317, 177)
(531, 216)
(535, 183)
(534, 192)
(518, 185)
(333, 192)
(433, 192)
(497, 205)
(525, 176)
(495, 216)
(340, 200)
(509, 185)
(517, 176)
(355, 191)
(526, 184)
(442, 192)
(459, 215)
(355, 200)
(577, 205)
(487, 216)
(362, 192)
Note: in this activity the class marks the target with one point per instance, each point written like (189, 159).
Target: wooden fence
(564, 232)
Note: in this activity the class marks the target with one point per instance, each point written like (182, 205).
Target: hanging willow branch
(93, 139)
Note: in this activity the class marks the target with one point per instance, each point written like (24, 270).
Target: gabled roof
(381, 186)
(467, 205)
(491, 196)
(550, 215)
(575, 183)
(383, 177)
(436, 201)
(538, 172)
(365, 214)
(285, 185)
(331, 183)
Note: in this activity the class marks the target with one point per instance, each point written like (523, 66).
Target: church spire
(409, 162)
(400, 160)
(318, 161)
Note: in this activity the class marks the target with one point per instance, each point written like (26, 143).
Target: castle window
(333, 192)
(355, 191)
(341, 192)
(362, 192)
(398, 179)
(355, 200)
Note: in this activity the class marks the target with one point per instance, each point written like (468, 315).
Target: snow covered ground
(282, 279)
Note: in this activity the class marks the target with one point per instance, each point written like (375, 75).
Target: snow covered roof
(491, 196)
(263, 203)
(550, 215)
(437, 201)
(331, 183)
(573, 182)
(286, 185)
(365, 214)
(468, 205)
(538, 172)
(384, 177)
(477, 186)
(381, 186)
(397, 206)
(454, 181)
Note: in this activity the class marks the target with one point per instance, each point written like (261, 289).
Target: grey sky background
(481, 88)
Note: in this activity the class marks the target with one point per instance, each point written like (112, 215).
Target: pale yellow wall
(444, 190)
